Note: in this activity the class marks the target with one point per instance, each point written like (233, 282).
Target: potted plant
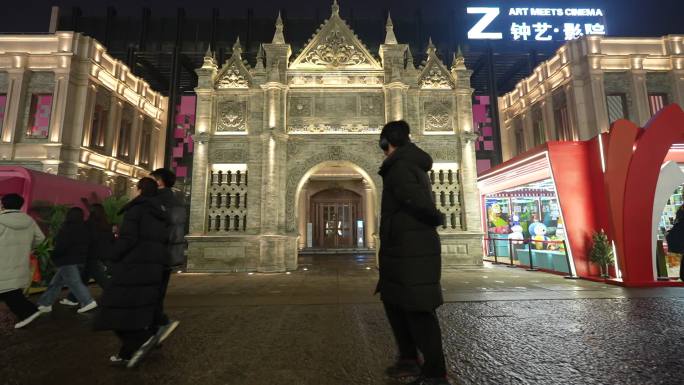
(601, 252)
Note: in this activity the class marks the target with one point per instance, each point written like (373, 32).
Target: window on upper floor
(145, 146)
(656, 101)
(98, 127)
(124, 142)
(3, 104)
(616, 104)
(519, 136)
(39, 116)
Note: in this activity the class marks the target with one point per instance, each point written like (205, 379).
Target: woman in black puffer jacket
(139, 257)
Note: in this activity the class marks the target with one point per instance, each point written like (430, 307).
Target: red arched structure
(633, 161)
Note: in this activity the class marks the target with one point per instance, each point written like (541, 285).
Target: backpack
(675, 238)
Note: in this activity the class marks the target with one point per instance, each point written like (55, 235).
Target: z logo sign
(489, 14)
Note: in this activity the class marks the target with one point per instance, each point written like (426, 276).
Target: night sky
(624, 17)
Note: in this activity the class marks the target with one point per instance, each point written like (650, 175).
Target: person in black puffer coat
(101, 242)
(410, 257)
(69, 255)
(139, 258)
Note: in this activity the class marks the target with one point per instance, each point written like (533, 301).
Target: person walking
(675, 239)
(19, 234)
(69, 256)
(140, 255)
(101, 241)
(410, 258)
(166, 179)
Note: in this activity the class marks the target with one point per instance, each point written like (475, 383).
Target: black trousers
(18, 303)
(418, 331)
(160, 318)
(131, 340)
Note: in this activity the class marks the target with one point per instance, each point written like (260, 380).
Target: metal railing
(529, 246)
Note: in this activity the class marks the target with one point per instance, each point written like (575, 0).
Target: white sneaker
(28, 320)
(68, 302)
(44, 309)
(87, 307)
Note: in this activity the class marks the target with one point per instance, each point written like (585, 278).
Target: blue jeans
(69, 276)
(93, 269)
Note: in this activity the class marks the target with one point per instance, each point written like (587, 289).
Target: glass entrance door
(334, 215)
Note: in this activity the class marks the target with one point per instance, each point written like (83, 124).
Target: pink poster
(39, 118)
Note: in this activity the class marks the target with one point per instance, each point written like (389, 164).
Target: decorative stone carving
(231, 116)
(437, 115)
(446, 191)
(301, 106)
(335, 51)
(232, 78)
(323, 128)
(434, 78)
(469, 136)
(372, 105)
(227, 205)
(225, 155)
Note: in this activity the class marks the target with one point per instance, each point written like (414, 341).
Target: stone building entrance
(302, 131)
(336, 208)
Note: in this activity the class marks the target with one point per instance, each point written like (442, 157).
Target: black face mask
(384, 143)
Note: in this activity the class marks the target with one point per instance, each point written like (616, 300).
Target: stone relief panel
(438, 115)
(435, 78)
(335, 51)
(232, 116)
(232, 78)
(228, 155)
(342, 113)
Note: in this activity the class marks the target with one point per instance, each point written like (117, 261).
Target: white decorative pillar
(17, 83)
(570, 103)
(370, 214)
(549, 118)
(598, 98)
(89, 111)
(395, 100)
(303, 215)
(200, 163)
(639, 90)
(528, 129)
(113, 126)
(677, 76)
(136, 135)
(59, 105)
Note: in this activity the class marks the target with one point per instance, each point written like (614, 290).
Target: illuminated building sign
(535, 24)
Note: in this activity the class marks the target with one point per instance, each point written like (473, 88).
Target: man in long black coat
(410, 257)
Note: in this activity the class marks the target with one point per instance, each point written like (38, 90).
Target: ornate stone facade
(286, 121)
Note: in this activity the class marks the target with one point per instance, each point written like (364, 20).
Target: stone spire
(431, 47)
(335, 8)
(237, 49)
(390, 38)
(278, 37)
(260, 59)
(409, 59)
(209, 60)
(458, 62)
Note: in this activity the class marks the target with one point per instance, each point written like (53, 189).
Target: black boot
(403, 368)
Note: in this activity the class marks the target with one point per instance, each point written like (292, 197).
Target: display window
(525, 226)
(669, 265)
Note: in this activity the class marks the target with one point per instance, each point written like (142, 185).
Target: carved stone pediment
(335, 46)
(435, 76)
(232, 77)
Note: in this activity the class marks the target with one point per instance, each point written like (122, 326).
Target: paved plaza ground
(322, 325)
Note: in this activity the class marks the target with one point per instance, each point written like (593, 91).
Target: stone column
(395, 101)
(528, 129)
(113, 126)
(370, 213)
(59, 106)
(303, 214)
(678, 86)
(639, 92)
(598, 98)
(136, 135)
(88, 118)
(549, 118)
(17, 83)
(570, 104)
(579, 110)
(200, 164)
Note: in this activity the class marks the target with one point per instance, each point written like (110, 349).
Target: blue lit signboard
(535, 23)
